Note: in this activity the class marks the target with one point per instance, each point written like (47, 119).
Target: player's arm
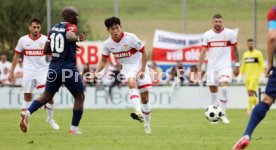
(144, 59)
(17, 51)
(237, 60)
(71, 34)
(243, 64)
(271, 39)
(14, 63)
(201, 58)
(47, 48)
(261, 62)
(101, 64)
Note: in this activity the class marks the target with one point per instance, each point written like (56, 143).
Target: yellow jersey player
(252, 66)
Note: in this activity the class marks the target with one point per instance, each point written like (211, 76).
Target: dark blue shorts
(56, 78)
(270, 89)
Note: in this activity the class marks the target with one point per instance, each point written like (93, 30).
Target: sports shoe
(72, 132)
(24, 123)
(147, 129)
(242, 143)
(224, 119)
(137, 116)
(53, 124)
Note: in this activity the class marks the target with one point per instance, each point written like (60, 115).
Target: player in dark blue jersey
(61, 44)
(261, 109)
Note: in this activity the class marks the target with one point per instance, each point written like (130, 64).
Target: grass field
(114, 130)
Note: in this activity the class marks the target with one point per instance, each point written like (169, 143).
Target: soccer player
(261, 109)
(35, 67)
(219, 41)
(61, 43)
(131, 54)
(253, 66)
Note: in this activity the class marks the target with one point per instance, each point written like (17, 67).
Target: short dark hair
(109, 22)
(36, 20)
(217, 16)
(250, 40)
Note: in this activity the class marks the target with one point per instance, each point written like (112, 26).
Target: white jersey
(219, 45)
(126, 50)
(34, 58)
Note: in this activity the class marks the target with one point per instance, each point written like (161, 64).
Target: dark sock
(76, 117)
(34, 106)
(257, 115)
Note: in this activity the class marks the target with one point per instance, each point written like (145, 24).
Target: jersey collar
(120, 38)
(33, 38)
(218, 31)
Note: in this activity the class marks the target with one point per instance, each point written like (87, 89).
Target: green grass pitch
(115, 130)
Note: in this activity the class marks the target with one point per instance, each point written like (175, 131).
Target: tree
(15, 16)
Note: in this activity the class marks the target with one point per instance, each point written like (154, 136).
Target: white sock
(146, 109)
(50, 111)
(135, 99)
(214, 98)
(224, 98)
(74, 128)
(26, 105)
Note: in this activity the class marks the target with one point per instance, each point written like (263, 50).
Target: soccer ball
(213, 113)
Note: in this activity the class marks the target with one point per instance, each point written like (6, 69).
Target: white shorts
(214, 77)
(144, 84)
(37, 81)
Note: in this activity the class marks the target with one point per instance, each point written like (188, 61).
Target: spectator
(5, 77)
(4, 63)
(156, 73)
(18, 72)
(178, 73)
(193, 75)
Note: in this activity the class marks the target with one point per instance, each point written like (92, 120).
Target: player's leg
(214, 94)
(144, 86)
(77, 112)
(134, 97)
(51, 88)
(36, 104)
(41, 81)
(251, 86)
(223, 101)
(146, 109)
(212, 82)
(257, 116)
(28, 85)
(258, 112)
(76, 88)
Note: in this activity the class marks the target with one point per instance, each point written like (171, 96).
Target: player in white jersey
(35, 66)
(131, 54)
(219, 41)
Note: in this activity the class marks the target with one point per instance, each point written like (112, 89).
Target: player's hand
(268, 70)
(141, 74)
(11, 77)
(82, 37)
(236, 71)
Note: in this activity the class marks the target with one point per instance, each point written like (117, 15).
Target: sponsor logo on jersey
(124, 54)
(251, 60)
(33, 52)
(219, 44)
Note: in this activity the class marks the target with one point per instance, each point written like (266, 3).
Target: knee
(213, 89)
(144, 98)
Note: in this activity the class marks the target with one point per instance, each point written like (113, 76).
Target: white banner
(171, 46)
(186, 97)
